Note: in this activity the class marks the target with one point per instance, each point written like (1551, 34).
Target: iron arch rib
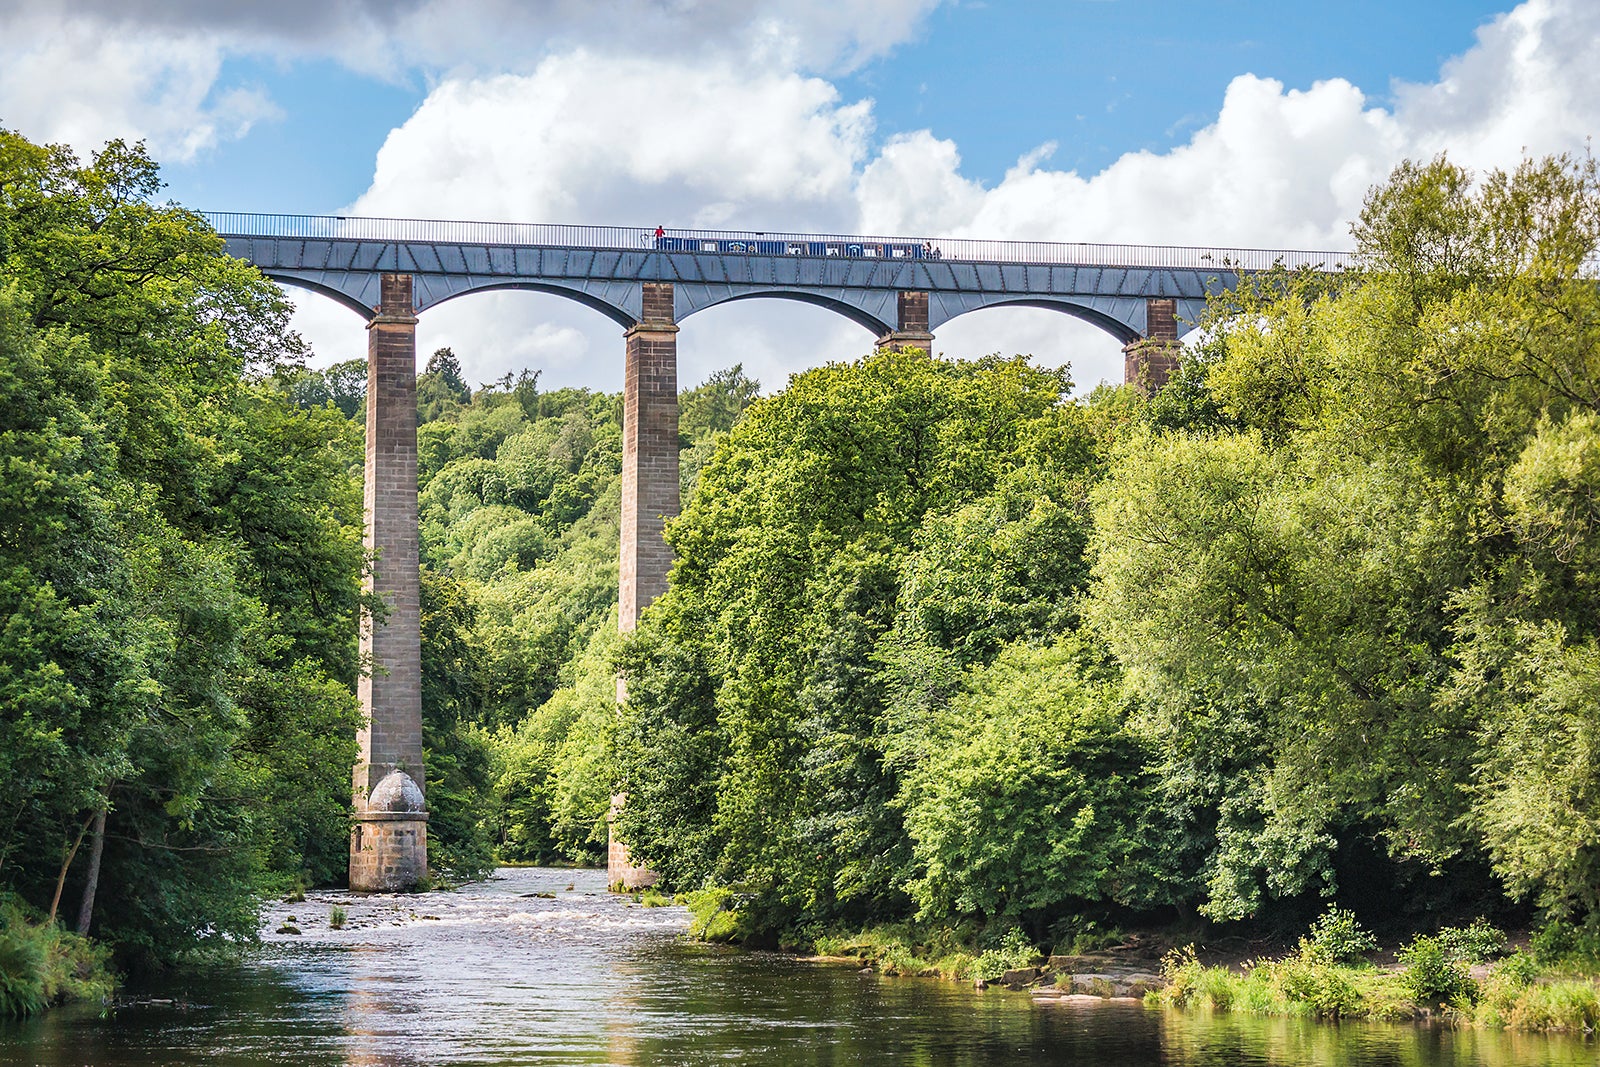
(1120, 328)
(337, 295)
(696, 299)
(620, 315)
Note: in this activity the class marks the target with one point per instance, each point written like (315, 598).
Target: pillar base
(621, 874)
(389, 852)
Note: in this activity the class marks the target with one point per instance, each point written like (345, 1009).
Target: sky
(1234, 123)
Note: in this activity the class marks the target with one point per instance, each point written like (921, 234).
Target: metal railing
(635, 238)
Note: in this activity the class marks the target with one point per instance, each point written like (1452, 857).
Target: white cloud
(445, 35)
(67, 80)
(1532, 83)
(83, 71)
(626, 141)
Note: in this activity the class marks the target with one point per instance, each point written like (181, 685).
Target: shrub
(1320, 987)
(1181, 971)
(719, 915)
(1433, 977)
(1076, 936)
(1563, 1005)
(336, 917)
(1478, 942)
(1560, 942)
(1190, 983)
(22, 966)
(1010, 952)
(1336, 937)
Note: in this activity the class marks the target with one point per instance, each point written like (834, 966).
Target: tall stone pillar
(650, 488)
(650, 479)
(912, 331)
(1149, 361)
(389, 846)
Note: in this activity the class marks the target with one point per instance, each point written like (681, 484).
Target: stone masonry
(391, 691)
(650, 479)
(1149, 361)
(912, 316)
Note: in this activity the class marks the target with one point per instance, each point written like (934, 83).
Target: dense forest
(944, 645)
(1316, 621)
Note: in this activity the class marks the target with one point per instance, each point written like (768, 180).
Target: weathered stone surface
(650, 497)
(397, 793)
(1102, 985)
(388, 852)
(650, 477)
(911, 330)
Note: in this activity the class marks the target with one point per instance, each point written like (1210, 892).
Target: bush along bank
(1464, 975)
(42, 965)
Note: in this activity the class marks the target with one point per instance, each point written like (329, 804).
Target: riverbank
(1512, 993)
(42, 965)
(1467, 976)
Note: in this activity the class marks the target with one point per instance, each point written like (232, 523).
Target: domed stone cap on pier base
(389, 849)
(398, 792)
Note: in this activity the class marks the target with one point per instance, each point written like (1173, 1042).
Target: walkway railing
(340, 227)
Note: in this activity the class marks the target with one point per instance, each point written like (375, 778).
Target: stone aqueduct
(389, 270)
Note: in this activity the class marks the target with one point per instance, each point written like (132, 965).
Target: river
(543, 966)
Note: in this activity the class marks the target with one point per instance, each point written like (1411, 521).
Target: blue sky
(1106, 77)
(1228, 123)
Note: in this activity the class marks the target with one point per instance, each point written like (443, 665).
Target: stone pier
(1149, 361)
(650, 490)
(650, 479)
(389, 845)
(911, 309)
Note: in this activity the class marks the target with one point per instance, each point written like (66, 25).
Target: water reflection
(544, 967)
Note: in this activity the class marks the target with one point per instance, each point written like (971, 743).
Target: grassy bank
(1465, 975)
(42, 965)
(1514, 993)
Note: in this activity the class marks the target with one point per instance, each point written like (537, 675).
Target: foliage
(1432, 976)
(942, 950)
(1337, 937)
(519, 510)
(757, 731)
(179, 571)
(1033, 796)
(1361, 535)
(41, 965)
(719, 915)
(1011, 951)
(1477, 942)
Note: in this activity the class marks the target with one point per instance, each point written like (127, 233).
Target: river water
(545, 967)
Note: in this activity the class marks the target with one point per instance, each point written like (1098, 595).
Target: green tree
(1351, 543)
(753, 744)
